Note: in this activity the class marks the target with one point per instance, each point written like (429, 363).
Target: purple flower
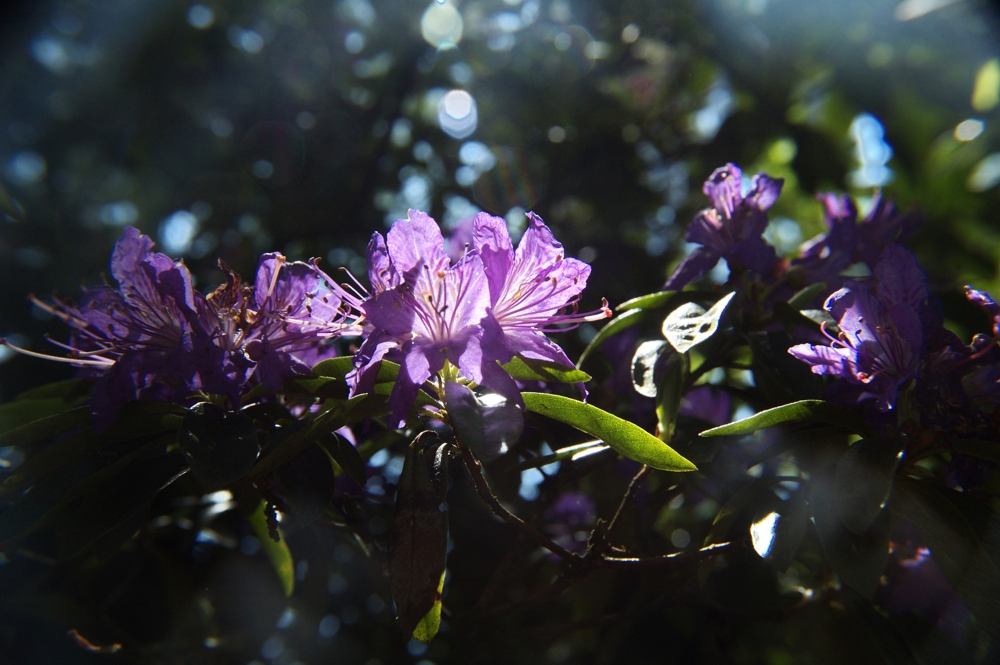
(881, 334)
(493, 303)
(731, 228)
(529, 289)
(985, 301)
(155, 337)
(848, 241)
(707, 403)
(424, 309)
(296, 308)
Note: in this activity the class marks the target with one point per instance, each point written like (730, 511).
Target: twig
(706, 552)
(633, 489)
(486, 494)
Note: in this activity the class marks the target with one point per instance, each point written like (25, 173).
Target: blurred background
(225, 129)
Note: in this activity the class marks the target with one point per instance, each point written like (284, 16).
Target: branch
(676, 558)
(486, 494)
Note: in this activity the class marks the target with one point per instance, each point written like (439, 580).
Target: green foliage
(627, 439)
(804, 411)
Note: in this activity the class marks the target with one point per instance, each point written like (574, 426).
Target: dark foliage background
(225, 129)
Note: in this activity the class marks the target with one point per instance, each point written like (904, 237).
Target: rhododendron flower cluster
(156, 337)
(490, 305)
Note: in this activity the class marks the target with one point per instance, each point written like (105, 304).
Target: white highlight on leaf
(762, 532)
(690, 325)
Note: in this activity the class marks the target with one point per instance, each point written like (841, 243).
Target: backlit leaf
(690, 325)
(277, 552)
(531, 369)
(807, 410)
(627, 439)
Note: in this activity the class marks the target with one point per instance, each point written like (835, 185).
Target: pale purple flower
(424, 309)
(881, 334)
(532, 291)
(732, 228)
(155, 337)
(986, 302)
(849, 241)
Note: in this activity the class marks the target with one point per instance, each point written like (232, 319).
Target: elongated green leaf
(277, 552)
(627, 439)
(651, 301)
(615, 326)
(574, 452)
(120, 500)
(418, 543)
(297, 436)
(220, 446)
(43, 428)
(988, 450)
(334, 367)
(863, 481)
(70, 391)
(807, 410)
(58, 490)
(530, 369)
(431, 623)
(345, 455)
(134, 423)
(858, 559)
(803, 298)
(21, 412)
(962, 537)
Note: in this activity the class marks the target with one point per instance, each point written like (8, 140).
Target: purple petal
(753, 253)
(531, 344)
(724, 189)
(764, 191)
(693, 267)
(899, 278)
(826, 360)
(381, 274)
(491, 239)
(416, 246)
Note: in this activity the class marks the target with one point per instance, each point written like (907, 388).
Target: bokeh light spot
(457, 114)
(969, 129)
(441, 25)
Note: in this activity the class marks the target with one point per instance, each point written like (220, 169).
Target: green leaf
(963, 536)
(988, 450)
(221, 447)
(418, 543)
(21, 412)
(60, 489)
(277, 551)
(431, 623)
(531, 369)
(138, 420)
(291, 439)
(803, 298)
(863, 481)
(334, 367)
(70, 391)
(651, 301)
(43, 428)
(627, 439)
(345, 455)
(807, 410)
(615, 326)
(121, 500)
(574, 452)
(690, 325)
(858, 559)
(489, 428)
(644, 366)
